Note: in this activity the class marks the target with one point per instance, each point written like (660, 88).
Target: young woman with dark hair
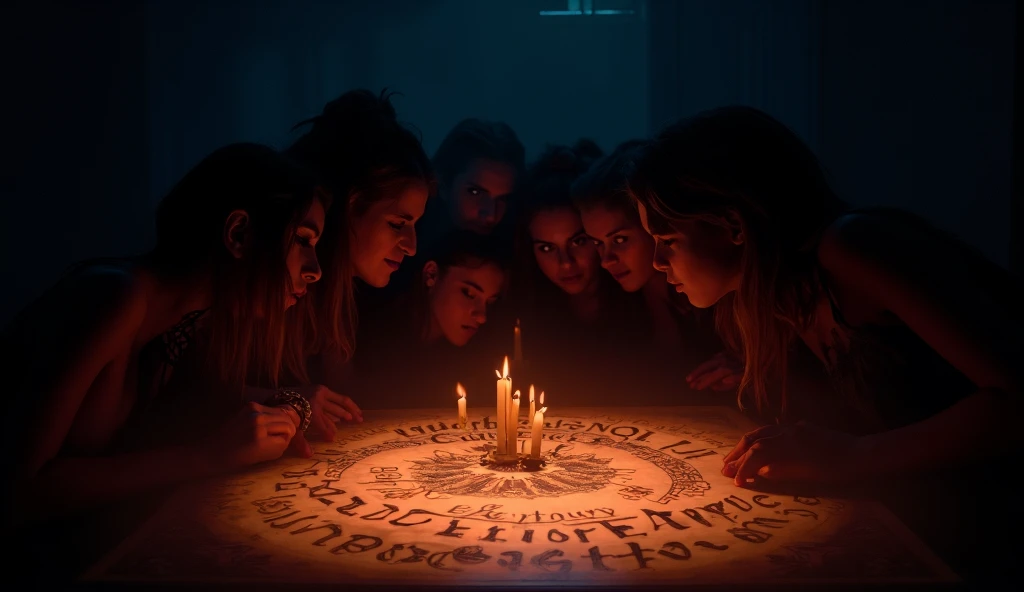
(381, 178)
(413, 349)
(478, 165)
(235, 248)
(573, 316)
(611, 220)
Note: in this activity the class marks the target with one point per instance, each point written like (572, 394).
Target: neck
(655, 291)
(587, 304)
(169, 298)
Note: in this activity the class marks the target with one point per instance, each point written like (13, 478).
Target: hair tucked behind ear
(364, 155)
(246, 320)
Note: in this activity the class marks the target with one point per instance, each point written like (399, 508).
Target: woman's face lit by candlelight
(303, 267)
(702, 259)
(626, 250)
(478, 195)
(385, 234)
(563, 251)
(458, 298)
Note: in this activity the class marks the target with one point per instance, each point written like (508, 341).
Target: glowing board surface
(627, 496)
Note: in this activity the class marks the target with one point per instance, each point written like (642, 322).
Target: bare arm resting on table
(111, 309)
(906, 274)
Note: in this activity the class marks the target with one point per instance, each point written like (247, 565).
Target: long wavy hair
(738, 161)
(245, 325)
(363, 154)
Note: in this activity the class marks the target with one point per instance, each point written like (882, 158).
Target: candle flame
(531, 393)
(504, 369)
(542, 410)
(517, 323)
(542, 398)
(498, 374)
(459, 390)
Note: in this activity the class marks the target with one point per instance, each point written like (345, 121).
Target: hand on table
(256, 433)
(328, 409)
(721, 373)
(800, 452)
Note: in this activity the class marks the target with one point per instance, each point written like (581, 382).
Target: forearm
(974, 427)
(67, 485)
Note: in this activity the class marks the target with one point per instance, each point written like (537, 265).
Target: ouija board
(627, 496)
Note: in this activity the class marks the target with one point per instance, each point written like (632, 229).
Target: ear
(236, 232)
(430, 272)
(734, 224)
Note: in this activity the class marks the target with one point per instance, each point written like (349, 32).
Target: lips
(470, 328)
(570, 279)
(394, 265)
(620, 275)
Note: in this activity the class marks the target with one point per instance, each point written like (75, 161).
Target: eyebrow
(616, 231)
(310, 226)
(406, 217)
(473, 285)
(537, 241)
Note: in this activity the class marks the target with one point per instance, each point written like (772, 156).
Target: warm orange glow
(459, 390)
(531, 394)
(542, 398)
(504, 369)
(515, 395)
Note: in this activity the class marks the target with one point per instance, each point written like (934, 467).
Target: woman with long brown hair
(381, 179)
(917, 333)
(235, 248)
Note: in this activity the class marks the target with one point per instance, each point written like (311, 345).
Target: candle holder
(511, 462)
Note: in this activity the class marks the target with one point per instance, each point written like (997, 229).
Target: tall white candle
(463, 417)
(501, 412)
(533, 405)
(513, 423)
(538, 429)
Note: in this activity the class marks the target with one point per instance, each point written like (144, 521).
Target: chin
(458, 341)
(377, 279)
(632, 285)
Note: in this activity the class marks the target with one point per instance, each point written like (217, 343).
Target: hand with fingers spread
(721, 373)
(795, 453)
(255, 434)
(328, 410)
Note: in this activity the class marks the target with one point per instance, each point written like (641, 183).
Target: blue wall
(108, 103)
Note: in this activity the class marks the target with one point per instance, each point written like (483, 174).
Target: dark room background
(106, 104)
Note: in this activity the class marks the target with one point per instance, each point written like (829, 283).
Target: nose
(565, 261)
(311, 271)
(660, 261)
(608, 257)
(487, 212)
(480, 314)
(407, 241)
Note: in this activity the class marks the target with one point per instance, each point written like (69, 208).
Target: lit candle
(463, 418)
(517, 348)
(533, 405)
(513, 424)
(538, 428)
(502, 412)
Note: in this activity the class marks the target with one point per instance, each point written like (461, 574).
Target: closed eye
(396, 226)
